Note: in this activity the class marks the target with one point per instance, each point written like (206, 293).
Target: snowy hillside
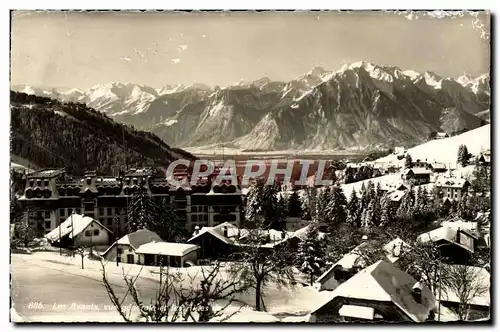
(445, 150)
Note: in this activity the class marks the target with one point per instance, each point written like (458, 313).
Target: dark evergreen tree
(335, 210)
(254, 203)
(294, 205)
(480, 182)
(310, 255)
(408, 161)
(386, 211)
(167, 223)
(354, 210)
(282, 212)
(141, 211)
(270, 210)
(321, 204)
(406, 211)
(463, 155)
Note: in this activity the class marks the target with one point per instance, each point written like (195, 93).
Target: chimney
(225, 231)
(458, 235)
(364, 238)
(196, 230)
(417, 292)
(283, 235)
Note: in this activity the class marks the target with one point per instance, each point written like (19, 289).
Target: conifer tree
(367, 216)
(294, 205)
(270, 209)
(254, 202)
(335, 210)
(408, 161)
(141, 211)
(386, 211)
(405, 211)
(167, 223)
(321, 204)
(354, 209)
(462, 155)
(310, 256)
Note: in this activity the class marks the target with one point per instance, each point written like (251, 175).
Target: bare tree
(261, 263)
(467, 283)
(174, 302)
(80, 250)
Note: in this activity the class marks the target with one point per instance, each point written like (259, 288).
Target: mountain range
(362, 105)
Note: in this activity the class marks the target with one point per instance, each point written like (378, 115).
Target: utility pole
(439, 304)
(72, 232)
(116, 242)
(60, 246)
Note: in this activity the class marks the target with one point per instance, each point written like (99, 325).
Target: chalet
(294, 223)
(452, 188)
(437, 167)
(353, 261)
(125, 247)
(480, 304)
(417, 175)
(79, 230)
(216, 242)
(420, 164)
(441, 135)
(167, 254)
(343, 269)
(484, 159)
(395, 196)
(455, 241)
(380, 292)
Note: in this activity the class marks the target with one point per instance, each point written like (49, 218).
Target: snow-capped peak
(433, 80)
(413, 75)
(317, 71)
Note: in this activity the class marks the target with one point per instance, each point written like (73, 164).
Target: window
(96, 232)
(109, 221)
(120, 251)
(194, 217)
(117, 210)
(32, 183)
(205, 217)
(110, 211)
(101, 211)
(47, 214)
(205, 208)
(194, 209)
(38, 182)
(88, 233)
(61, 212)
(47, 224)
(46, 183)
(78, 210)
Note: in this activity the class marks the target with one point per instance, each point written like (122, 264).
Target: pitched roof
(347, 261)
(382, 281)
(136, 239)
(418, 171)
(166, 248)
(451, 182)
(446, 233)
(72, 226)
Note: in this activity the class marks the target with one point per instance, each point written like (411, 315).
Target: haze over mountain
(362, 105)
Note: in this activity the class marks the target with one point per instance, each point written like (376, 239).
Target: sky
(80, 50)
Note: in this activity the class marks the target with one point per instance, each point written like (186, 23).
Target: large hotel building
(53, 195)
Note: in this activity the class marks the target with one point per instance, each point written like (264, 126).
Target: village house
(455, 240)
(420, 164)
(437, 167)
(79, 230)
(480, 304)
(399, 150)
(167, 254)
(416, 175)
(452, 188)
(441, 135)
(216, 242)
(484, 159)
(124, 249)
(380, 292)
(353, 261)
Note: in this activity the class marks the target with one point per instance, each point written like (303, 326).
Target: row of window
(199, 208)
(89, 233)
(38, 182)
(199, 217)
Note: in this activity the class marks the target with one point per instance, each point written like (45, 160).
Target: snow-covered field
(292, 302)
(445, 150)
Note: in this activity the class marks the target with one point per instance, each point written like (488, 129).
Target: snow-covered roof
(166, 248)
(394, 249)
(301, 233)
(480, 277)
(383, 282)
(356, 311)
(466, 226)
(347, 262)
(396, 195)
(136, 239)
(446, 233)
(451, 182)
(418, 171)
(72, 226)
